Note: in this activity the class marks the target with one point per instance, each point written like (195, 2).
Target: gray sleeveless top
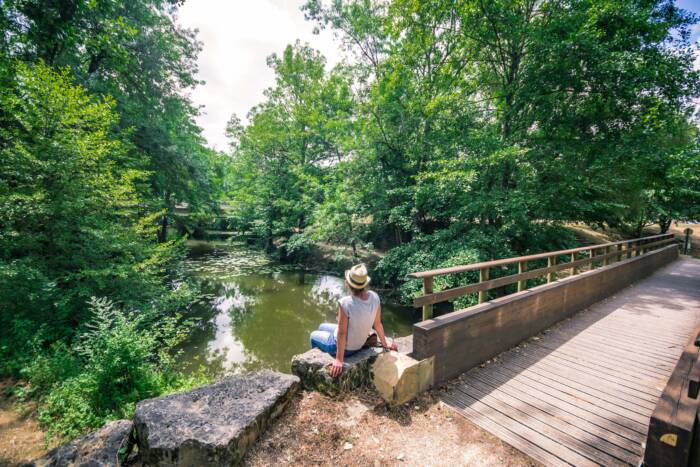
(361, 314)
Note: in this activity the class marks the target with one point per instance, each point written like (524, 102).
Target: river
(255, 313)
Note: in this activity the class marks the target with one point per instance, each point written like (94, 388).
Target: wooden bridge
(572, 372)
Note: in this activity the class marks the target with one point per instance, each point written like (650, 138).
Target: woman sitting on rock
(358, 314)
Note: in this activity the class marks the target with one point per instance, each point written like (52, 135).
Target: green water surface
(255, 313)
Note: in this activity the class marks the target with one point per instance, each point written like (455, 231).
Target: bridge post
(628, 248)
(574, 269)
(686, 243)
(427, 289)
(522, 267)
(606, 260)
(483, 277)
(551, 261)
(619, 252)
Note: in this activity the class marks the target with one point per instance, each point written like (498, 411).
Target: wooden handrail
(517, 259)
(609, 254)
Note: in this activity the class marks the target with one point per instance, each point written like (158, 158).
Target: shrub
(47, 368)
(122, 362)
(298, 248)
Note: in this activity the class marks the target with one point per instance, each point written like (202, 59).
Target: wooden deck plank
(626, 383)
(611, 356)
(604, 380)
(633, 419)
(523, 444)
(587, 422)
(621, 328)
(520, 428)
(560, 407)
(627, 373)
(589, 384)
(625, 344)
(642, 353)
(583, 391)
(595, 448)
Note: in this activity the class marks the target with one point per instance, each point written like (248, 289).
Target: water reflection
(255, 313)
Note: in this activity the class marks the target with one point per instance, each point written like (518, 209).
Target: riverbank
(21, 437)
(361, 430)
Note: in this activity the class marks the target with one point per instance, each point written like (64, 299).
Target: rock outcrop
(313, 368)
(211, 425)
(98, 449)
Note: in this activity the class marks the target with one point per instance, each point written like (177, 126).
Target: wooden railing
(605, 253)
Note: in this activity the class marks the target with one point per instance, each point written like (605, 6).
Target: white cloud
(237, 37)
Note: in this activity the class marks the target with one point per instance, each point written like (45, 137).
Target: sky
(237, 38)
(694, 6)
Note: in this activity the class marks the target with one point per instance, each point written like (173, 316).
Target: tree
(476, 129)
(293, 139)
(72, 222)
(135, 53)
(543, 106)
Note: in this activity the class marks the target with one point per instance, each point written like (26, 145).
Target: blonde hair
(354, 291)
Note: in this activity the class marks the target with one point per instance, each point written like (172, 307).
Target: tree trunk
(163, 230)
(269, 243)
(665, 224)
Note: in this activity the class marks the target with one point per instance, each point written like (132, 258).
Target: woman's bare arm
(337, 365)
(380, 329)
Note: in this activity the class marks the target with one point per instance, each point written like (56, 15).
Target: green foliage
(122, 361)
(281, 159)
(485, 119)
(299, 247)
(133, 53)
(459, 132)
(46, 368)
(74, 225)
(455, 247)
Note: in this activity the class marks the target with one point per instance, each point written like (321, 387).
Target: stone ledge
(313, 368)
(98, 449)
(211, 425)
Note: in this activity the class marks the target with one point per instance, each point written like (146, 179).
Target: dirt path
(21, 438)
(361, 431)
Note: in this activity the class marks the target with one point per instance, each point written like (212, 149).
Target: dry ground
(360, 430)
(357, 430)
(21, 438)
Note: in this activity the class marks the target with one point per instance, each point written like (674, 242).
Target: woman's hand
(392, 346)
(336, 368)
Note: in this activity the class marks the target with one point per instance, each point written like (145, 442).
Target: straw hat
(357, 277)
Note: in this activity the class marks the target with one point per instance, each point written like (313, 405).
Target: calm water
(255, 313)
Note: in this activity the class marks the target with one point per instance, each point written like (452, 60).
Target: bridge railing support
(604, 254)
